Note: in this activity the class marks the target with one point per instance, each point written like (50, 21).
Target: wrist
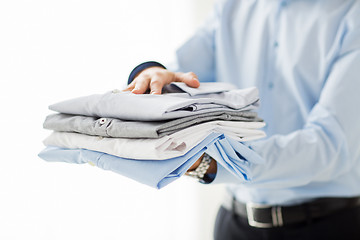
(213, 167)
(196, 164)
(139, 68)
(203, 169)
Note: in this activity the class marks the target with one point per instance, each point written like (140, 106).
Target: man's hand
(155, 78)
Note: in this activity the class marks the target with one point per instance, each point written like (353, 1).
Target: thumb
(188, 78)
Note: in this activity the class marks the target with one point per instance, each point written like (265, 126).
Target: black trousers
(342, 225)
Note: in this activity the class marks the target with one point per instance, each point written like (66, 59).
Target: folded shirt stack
(154, 139)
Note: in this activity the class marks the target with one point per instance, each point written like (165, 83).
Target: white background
(54, 50)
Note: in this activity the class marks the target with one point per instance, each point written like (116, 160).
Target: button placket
(275, 40)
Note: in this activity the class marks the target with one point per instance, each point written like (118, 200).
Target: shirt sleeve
(327, 147)
(197, 54)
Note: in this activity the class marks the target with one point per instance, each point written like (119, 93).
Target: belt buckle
(276, 215)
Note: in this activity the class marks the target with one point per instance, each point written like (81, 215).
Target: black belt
(267, 216)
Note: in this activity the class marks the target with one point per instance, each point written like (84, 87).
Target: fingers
(141, 84)
(130, 87)
(150, 78)
(188, 78)
(157, 83)
(155, 79)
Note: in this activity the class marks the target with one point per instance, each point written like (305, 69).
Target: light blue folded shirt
(159, 173)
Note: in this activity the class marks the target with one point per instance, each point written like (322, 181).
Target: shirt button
(271, 85)
(283, 3)
(276, 44)
(102, 121)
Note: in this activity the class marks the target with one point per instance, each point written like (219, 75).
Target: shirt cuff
(141, 67)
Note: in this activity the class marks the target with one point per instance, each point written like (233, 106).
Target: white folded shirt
(169, 146)
(146, 107)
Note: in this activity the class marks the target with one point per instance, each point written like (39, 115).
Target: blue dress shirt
(304, 57)
(159, 173)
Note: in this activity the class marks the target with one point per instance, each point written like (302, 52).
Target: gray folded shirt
(111, 127)
(145, 107)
